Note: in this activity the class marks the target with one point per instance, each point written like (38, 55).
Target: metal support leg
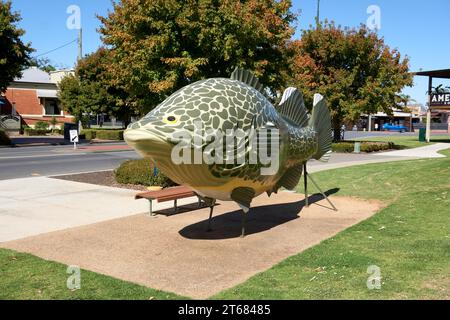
(320, 190)
(199, 202)
(305, 179)
(151, 209)
(211, 208)
(244, 220)
(175, 206)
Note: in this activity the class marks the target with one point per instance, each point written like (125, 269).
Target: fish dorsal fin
(291, 177)
(247, 77)
(293, 107)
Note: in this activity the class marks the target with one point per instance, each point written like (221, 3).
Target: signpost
(74, 138)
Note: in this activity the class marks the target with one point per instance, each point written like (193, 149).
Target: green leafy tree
(14, 54)
(90, 91)
(353, 68)
(159, 46)
(42, 63)
(69, 94)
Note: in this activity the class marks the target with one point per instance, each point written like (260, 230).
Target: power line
(60, 47)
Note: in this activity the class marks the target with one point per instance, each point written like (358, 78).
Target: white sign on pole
(74, 137)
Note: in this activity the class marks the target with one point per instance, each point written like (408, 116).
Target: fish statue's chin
(147, 143)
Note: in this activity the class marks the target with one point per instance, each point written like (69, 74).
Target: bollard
(357, 147)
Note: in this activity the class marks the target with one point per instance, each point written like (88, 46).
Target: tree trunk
(337, 134)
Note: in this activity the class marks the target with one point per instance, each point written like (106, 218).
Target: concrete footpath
(32, 206)
(341, 160)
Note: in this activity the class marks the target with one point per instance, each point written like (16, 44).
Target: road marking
(43, 156)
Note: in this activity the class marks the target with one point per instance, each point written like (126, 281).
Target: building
(374, 122)
(438, 102)
(33, 97)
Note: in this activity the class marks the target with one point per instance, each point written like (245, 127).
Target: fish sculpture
(221, 104)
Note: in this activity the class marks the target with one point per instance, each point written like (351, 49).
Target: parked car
(393, 127)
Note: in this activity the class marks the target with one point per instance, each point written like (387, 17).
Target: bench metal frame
(175, 205)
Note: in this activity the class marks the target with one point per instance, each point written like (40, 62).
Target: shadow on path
(259, 219)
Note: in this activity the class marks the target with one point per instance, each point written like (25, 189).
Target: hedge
(141, 172)
(366, 146)
(34, 132)
(4, 139)
(91, 134)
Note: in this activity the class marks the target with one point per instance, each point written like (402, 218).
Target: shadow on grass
(259, 219)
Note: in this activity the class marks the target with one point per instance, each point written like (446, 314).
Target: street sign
(74, 136)
(440, 99)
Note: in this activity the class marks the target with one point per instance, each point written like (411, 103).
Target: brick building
(34, 97)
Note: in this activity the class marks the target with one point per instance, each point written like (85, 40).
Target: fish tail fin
(321, 122)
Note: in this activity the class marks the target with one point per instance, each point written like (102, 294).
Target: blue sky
(417, 28)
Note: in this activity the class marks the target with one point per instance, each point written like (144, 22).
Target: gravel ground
(103, 178)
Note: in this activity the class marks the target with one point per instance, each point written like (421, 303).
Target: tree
(14, 54)
(159, 46)
(403, 100)
(42, 63)
(439, 89)
(353, 68)
(90, 91)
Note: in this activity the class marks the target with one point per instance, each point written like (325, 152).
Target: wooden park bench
(168, 194)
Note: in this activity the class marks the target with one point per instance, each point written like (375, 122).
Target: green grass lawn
(407, 142)
(409, 240)
(24, 276)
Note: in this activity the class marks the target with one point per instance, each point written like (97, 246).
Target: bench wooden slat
(167, 194)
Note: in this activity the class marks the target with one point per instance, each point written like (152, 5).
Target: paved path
(38, 205)
(175, 253)
(430, 151)
(341, 160)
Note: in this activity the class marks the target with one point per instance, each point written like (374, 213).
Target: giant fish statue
(221, 105)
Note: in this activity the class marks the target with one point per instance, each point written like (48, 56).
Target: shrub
(344, 147)
(41, 126)
(109, 134)
(89, 134)
(104, 134)
(141, 172)
(34, 132)
(366, 146)
(4, 139)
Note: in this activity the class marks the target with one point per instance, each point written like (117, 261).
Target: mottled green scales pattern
(227, 104)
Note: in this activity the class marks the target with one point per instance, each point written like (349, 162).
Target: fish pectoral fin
(210, 202)
(273, 190)
(243, 196)
(291, 177)
(292, 107)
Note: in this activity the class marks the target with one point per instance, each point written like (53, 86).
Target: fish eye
(170, 119)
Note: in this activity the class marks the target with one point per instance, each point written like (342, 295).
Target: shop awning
(45, 93)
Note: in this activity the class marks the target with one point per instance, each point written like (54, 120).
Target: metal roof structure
(34, 75)
(442, 74)
(436, 101)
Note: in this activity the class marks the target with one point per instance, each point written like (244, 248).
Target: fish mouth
(148, 143)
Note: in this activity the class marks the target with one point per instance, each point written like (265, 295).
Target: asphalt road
(24, 162)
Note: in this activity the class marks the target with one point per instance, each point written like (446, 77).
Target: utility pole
(318, 14)
(80, 44)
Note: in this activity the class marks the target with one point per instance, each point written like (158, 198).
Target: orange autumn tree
(159, 46)
(353, 68)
